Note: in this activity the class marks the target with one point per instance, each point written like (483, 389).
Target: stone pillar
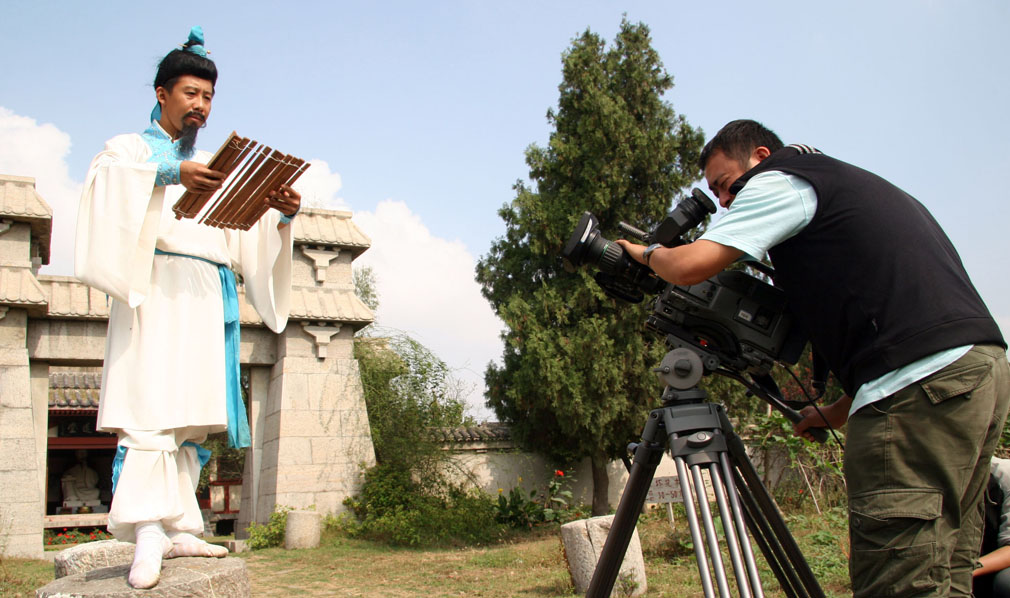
(252, 476)
(20, 500)
(302, 530)
(316, 434)
(40, 415)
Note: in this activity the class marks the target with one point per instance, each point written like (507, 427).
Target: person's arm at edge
(993, 562)
(685, 264)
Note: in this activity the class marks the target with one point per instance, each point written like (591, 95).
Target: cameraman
(884, 298)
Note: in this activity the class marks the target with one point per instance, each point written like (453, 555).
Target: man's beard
(187, 136)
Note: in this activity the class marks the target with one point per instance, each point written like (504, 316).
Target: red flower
(559, 473)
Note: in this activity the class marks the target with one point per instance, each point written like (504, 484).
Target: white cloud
(426, 284)
(28, 148)
(319, 187)
(427, 289)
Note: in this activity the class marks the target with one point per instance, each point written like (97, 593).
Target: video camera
(733, 319)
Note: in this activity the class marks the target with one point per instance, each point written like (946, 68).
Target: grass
(21, 577)
(524, 565)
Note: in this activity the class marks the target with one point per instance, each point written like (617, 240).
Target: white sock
(152, 544)
(185, 544)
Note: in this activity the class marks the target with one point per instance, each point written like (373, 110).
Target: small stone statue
(80, 483)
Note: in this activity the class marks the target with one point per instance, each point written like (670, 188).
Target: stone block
(360, 450)
(299, 423)
(328, 450)
(258, 346)
(23, 546)
(304, 478)
(268, 482)
(302, 530)
(77, 340)
(296, 500)
(295, 342)
(295, 394)
(583, 541)
(16, 384)
(303, 364)
(330, 502)
(268, 458)
(271, 427)
(93, 555)
(294, 451)
(198, 577)
(24, 516)
(15, 244)
(13, 332)
(16, 453)
(18, 423)
(14, 484)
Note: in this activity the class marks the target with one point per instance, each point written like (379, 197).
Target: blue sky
(417, 114)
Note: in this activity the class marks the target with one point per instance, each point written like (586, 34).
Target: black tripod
(699, 436)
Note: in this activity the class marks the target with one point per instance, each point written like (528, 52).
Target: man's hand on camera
(684, 264)
(834, 415)
(198, 178)
(633, 250)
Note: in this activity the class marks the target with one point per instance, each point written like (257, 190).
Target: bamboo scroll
(252, 171)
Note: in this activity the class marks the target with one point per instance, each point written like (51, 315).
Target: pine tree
(576, 377)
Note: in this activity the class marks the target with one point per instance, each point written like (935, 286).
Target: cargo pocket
(893, 534)
(956, 381)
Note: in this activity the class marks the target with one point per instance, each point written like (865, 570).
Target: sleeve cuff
(169, 173)
(287, 219)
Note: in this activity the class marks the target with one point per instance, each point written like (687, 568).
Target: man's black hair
(738, 139)
(181, 62)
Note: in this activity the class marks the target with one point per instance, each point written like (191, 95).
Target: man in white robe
(164, 383)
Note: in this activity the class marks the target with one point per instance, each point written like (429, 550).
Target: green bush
(271, 534)
(519, 511)
(398, 509)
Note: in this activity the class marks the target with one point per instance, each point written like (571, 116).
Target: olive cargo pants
(916, 467)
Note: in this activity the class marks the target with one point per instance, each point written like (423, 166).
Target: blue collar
(162, 146)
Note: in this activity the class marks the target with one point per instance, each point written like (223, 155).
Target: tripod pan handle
(820, 434)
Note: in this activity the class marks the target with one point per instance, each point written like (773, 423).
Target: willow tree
(575, 379)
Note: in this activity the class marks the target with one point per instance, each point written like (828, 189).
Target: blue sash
(238, 423)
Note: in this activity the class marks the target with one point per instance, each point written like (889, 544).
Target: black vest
(872, 279)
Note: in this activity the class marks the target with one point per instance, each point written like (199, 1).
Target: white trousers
(158, 482)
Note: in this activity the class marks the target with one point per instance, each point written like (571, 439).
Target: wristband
(648, 252)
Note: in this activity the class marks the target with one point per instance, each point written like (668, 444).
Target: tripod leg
(748, 582)
(766, 541)
(692, 524)
(741, 531)
(792, 560)
(643, 469)
(713, 538)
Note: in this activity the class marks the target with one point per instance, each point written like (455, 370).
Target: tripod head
(683, 368)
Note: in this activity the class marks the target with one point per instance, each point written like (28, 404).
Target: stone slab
(197, 577)
(583, 542)
(92, 555)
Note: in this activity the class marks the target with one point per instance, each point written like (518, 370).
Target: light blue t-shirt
(774, 207)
